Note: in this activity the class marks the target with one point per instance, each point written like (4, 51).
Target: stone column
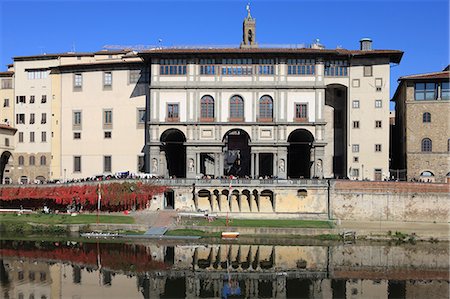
(320, 71)
(320, 104)
(275, 164)
(257, 165)
(252, 165)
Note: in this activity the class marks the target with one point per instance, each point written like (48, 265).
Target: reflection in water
(89, 270)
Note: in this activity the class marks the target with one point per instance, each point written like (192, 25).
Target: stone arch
(237, 153)
(299, 154)
(204, 200)
(267, 199)
(173, 145)
(246, 203)
(4, 158)
(427, 176)
(235, 201)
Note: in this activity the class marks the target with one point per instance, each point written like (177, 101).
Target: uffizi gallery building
(249, 111)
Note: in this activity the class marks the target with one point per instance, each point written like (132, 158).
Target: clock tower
(249, 31)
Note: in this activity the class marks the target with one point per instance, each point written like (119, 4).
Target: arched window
(21, 160)
(207, 108)
(426, 145)
(426, 118)
(43, 160)
(236, 108)
(32, 160)
(265, 108)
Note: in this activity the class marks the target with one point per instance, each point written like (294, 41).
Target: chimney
(365, 44)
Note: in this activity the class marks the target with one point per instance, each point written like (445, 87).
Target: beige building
(269, 112)
(422, 124)
(248, 111)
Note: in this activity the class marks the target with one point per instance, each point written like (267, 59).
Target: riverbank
(138, 222)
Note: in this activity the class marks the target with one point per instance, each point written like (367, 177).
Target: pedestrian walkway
(164, 218)
(421, 229)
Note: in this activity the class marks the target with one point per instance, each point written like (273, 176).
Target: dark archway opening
(169, 195)
(3, 161)
(299, 154)
(265, 165)
(173, 145)
(336, 99)
(237, 153)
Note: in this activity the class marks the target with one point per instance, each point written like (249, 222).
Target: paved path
(421, 229)
(164, 218)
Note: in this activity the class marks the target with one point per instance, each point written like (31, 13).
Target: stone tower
(249, 31)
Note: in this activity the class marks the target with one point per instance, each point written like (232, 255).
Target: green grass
(65, 219)
(262, 223)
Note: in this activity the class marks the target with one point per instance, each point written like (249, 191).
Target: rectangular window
(172, 112)
(266, 66)
(77, 81)
(378, 124)
(208, 67)
(133, 76)
(77, 119)
(356, 159)
(38, 74)
(355, 104)
(355, 83)
(377, 176)
(77, 164)
(107, 79)
(378, 84)
(20, 99)
(32, 99)
(107, 119)
(106, 163)
(378, 147)
(31, 118)
(20, 137)
(301, 66)
(355, 172)
(336, 68)
(77, 135)
(43, 118)
(44, 99)
(20, 118)
(445, 91)
(301, 112)
(31, 136)
(378, 103)
(425, 91)
(6, 83)
(141, 116)
(43, 136)
(6, 103)
(173, 66)
(237, 67)
(356, 124)
(367, 71)
(6, 142)
(355, 148)
(107, 135)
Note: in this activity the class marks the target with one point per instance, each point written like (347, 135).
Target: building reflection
(77, 270)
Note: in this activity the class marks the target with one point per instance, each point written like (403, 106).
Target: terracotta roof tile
(436, 75)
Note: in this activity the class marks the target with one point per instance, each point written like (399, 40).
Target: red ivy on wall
(119, 196)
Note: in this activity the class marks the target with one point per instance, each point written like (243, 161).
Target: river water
(43, 270)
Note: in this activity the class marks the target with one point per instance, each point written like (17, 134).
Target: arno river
(43, 270)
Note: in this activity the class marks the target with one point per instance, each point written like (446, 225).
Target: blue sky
(419, 28)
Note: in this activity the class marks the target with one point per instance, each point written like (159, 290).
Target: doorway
(169, 200)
